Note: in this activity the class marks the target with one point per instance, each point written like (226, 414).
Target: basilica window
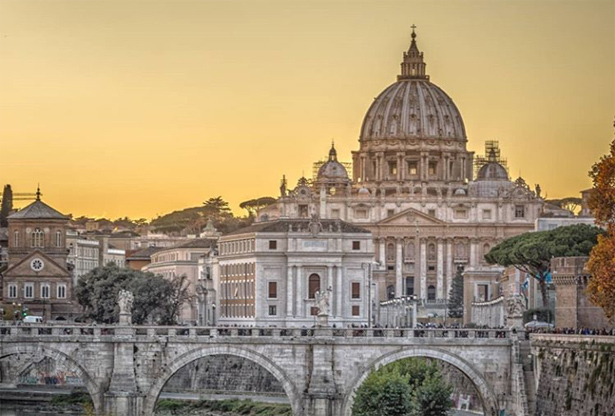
(360, 213)
(431, 292)
(313, 285)
(413, 168)
(356, 290)
(58, 238)
(356, 245)
(519, 211)
(390, 212)
(486, 214)
(390, 292)
(356, 310)
(273, 290)
(460, 251)
(433, 168)
(37, 238)
(392, 168)
(461, 213)
(410, 251)
(390, 252)
(273, 244)
(431, 252)
(335, 214)
(273, 310)
(303, 211)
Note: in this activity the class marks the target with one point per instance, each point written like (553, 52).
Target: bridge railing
(188, 332)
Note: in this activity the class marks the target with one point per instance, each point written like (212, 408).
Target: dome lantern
(413, 65)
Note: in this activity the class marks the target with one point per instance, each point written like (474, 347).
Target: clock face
(37, 264)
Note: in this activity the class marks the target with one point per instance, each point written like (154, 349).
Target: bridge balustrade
(184, 332)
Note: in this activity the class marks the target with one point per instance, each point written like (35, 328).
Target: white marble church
(413, 187)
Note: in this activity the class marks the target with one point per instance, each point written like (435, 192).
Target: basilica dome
(492, 171)
(413, 107)
(332, 170)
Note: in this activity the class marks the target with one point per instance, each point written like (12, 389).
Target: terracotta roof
(282, 226)
(38, 210)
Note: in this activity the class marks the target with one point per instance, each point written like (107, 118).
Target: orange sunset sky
(137, 107)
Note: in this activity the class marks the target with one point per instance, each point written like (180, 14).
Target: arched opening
(228, 353)
(313, 285)
(31, 367)
(431, 292)
(486, 397)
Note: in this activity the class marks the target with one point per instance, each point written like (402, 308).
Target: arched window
(431, 252)
(16, 239)
(58, 238)
(431, 292)
(313, 285)
(410, 251)
(461, 251)
(390, 251)
(37, 237)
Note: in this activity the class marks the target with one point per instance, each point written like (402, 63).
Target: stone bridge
(126, 367)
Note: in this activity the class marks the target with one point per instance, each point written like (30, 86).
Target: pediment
(411, 216)
(50, 269)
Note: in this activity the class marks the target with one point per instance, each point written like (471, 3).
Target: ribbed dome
(413, 108)
(332, 170)
(492, 171)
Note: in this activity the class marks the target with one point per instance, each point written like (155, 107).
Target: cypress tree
(455, 297)
(7, 205)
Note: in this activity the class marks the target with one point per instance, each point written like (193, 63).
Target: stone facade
(182, 260)
(572, 307)
(413, 187)
(38, 277)
(125, 368)
(574, 375)
(270, 273)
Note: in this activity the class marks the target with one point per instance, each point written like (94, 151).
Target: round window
(37, 264)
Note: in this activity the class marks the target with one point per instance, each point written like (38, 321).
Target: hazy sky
(141, 107)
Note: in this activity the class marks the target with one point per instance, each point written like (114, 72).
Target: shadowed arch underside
(488, 398)
(91, 385)
(151, 398)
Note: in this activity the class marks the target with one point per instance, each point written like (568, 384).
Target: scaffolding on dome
(492, 154)
(316, 167)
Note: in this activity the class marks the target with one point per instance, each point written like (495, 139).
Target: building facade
(37, 281)
(83, 254)
(272, 273)
(413, 187)
(182, 260)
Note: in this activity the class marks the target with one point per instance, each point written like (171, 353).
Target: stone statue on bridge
(322, 303)
(124, 301)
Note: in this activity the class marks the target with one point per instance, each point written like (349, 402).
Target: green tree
(7, 205)
(413, 386)
(570, 203)
(253, 205)
(216, 208)
(531, 253)
(155, 298)
(455, 296)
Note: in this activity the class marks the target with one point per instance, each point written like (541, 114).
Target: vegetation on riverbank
(222, 407)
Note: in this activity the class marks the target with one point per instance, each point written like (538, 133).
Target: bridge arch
(151, 398)
(488, 398)
(91, 385)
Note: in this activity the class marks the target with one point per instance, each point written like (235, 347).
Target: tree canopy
(155, 299)
(601, 265)
(532, 252)
(455, 297)
(409, 387)
(571, 203)
(253, 205)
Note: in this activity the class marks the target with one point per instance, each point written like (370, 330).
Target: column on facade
(399, 166)
(399, 286)
(440, 270)
(363, 172)
(423, 294)
(299, 293)
(340, 290)
(450, 272)
(329, 284)
(290, 292)
(473, 252)
(382, 243)
(422, 175)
